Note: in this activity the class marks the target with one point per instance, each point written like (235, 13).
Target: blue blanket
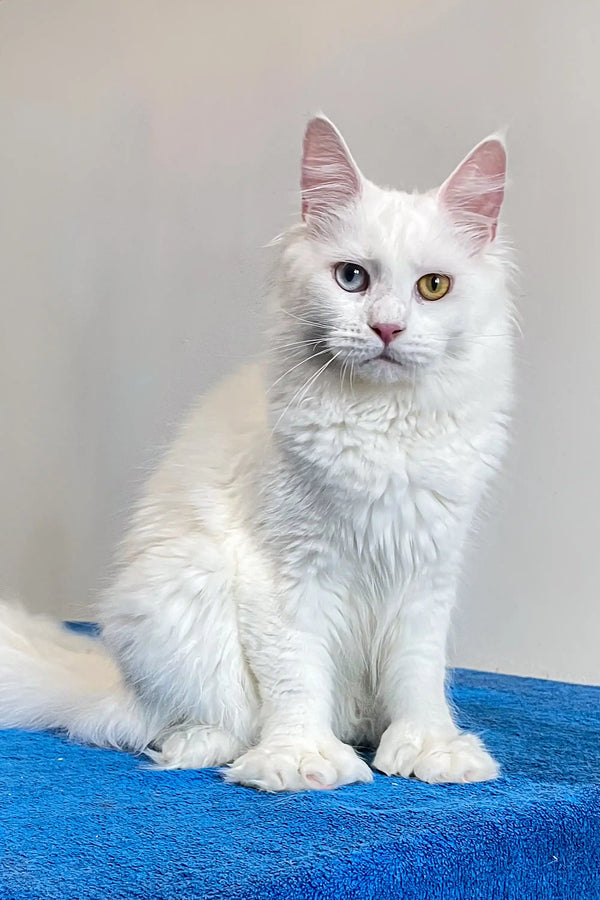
(78, 822)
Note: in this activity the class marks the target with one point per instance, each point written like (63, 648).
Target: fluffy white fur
(286, 585)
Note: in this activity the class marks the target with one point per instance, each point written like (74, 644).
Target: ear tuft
(474, 192)
(330, 179)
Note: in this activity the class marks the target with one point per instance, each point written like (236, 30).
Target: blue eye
(351, 277)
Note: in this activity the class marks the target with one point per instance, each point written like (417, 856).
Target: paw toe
(298, 768)
(195, 747)
(456, 758)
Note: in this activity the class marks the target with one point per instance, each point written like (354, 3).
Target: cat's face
(391, 284)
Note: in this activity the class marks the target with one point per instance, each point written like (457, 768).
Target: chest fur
(386, 504)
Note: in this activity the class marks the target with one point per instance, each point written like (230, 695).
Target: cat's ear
(330, 177)
(474, 192)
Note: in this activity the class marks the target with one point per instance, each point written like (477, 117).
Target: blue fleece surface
(78, 822)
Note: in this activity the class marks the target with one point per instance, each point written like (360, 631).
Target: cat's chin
(382, 370)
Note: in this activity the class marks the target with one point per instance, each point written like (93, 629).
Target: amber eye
(433, 286)
(351, 277)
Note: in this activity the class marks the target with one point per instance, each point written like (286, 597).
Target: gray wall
(149, 150)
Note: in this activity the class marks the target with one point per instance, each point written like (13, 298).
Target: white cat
(286, 585)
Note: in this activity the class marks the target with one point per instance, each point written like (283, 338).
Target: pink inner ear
(474, 192)
(330, 177)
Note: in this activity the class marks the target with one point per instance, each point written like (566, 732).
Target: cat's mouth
(384, 357)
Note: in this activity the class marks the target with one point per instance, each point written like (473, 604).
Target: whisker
(302, 361)
(310, 380)
(304, 320)
(292, 345)
(314, 377)
(344, 367)
(474, 337)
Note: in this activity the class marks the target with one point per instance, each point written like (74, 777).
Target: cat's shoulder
(237, 400)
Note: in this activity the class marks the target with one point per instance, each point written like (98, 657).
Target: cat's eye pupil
(351, 277)
(433, 286)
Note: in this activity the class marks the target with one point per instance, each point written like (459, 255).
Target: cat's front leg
(288, 650)
(422, 738)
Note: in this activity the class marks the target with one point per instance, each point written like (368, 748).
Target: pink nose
(387, 331)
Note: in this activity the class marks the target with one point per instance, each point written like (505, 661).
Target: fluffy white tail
(51, 678)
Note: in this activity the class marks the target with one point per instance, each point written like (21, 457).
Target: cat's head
(391, 284)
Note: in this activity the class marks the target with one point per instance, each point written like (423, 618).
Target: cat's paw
(299, 766)
(194, 746)
(435, 758)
